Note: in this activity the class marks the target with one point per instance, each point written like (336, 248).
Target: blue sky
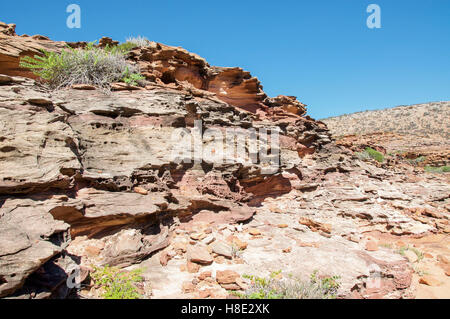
(320, 51)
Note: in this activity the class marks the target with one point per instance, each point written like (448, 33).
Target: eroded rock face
(91, 178)
(29, 238)
(13, 47)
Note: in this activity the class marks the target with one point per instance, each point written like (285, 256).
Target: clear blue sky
(320, 51)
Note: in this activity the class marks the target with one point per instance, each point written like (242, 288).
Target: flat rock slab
(199, 254)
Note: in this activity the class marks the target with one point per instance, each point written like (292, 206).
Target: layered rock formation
(89, 178)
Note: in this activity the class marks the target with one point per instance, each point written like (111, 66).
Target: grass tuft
(442, 169)
(138, 41)
(370, 153)
(116, 283)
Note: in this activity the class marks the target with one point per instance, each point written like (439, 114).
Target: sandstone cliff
(88, 178)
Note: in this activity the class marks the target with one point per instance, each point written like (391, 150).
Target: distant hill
(430, 119)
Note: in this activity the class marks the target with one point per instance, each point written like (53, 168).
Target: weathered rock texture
(427, 120)
(13, 47)
(74, 158)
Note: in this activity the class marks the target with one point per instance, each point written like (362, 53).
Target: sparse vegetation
(291, 288)
(132, 78)
(235, 251)
(371, 153)
(91, 65)
(442, 169)
(420, 271)
(379, 157)
(138, 41)
(116, 283)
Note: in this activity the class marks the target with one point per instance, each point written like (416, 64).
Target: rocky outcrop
(14, 47)
(402, 149)
(88, 178)
(417, 121)
(94, 164)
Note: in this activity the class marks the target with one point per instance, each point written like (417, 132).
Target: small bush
(417, 160)
(117, 284)
(292, 288)
(91, 65)
(442, 169)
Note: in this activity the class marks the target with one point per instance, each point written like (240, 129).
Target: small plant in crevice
(132, 78)
(138, 41)
(417, 160)
(419, 271)
(442, 169)
(116, 283)
(91, 65)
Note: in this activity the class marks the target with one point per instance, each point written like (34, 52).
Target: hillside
(425, 120)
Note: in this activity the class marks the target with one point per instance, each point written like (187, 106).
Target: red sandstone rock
(429, 281)
(83, 87)
(164, 258)
(444, 259)
(315, 226)
(140, 190)
(241, 245)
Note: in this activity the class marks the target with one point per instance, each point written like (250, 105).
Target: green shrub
(116, 283)
(375, 154)
(418, 253)
(292, 288)
(362, 156)
(91, 65)
(132, 78)
(442, 169)
(123, 48)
